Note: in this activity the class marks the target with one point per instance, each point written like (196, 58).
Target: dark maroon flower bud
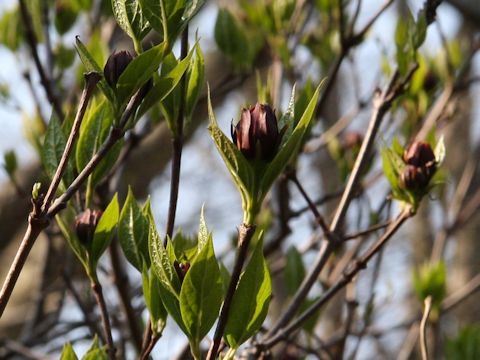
(85, 224)
(413, 178)
(257, 125)
(430, 81)
(419, 154)
(116, 64)
(182, 269)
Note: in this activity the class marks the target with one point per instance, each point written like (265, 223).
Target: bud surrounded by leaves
(116, 64)
(421, 165)
(85, 224)
(257, 130)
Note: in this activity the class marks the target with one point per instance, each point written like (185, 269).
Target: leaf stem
(245, 234)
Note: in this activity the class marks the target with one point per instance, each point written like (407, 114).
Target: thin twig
(177, 146)
(292, 176)
(86, 314)
(347, 277)
(381, 105)
(423, 327)
(91, 79)
(461, 294)
(123, 286)
(245, 234)
(32, 43)
(97, 291)
(38, 221)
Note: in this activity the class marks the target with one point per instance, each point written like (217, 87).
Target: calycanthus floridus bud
(419, 154)
(257, 131)
(413, 178)
(85, 224)
(421, 165)
(116, 64)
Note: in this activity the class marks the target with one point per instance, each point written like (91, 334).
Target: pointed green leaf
(130, 18)
(196, 74)
(153, 301)
(237, 165)
(203, 233)
(133, 233)
(250, 302)
(232, 39)
(52, 150)
(290, 148)
(165, 84)
(389, 169)
(192, 7)
(294, 270)
(440, 151)
(91, 65)
(168, 283)
(139, 71)
(95, 352)
(201, 294)
(105, 230)
(64, 221)
(68, 353)
(288, 118)
(93, 132)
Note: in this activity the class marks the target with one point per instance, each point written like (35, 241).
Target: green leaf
(165, 16)
(389, 169)
(153, 301)
(294, 270)
(168, 283)
(64, 221)
(290, 148)
(232, 39)
(466, 345)
(130, 18)
(139, 71)
(440, 151)
(196, 75)
(165, 84)
(93, 132)
(237, 165)
(250, 302)
(192, 7)
(288, 118)
(68, 353)
(105, 230)
(91, 65)
(11, 29)
(133, 229)
(10, 162)
(420, 32)
(201, 294)
(203, 233)
(95, 352)
(152, 10)
(52, 151)
(430, 280)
